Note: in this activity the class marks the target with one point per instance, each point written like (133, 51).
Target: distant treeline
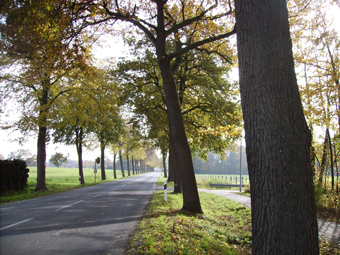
(90, 164)
(214, 165)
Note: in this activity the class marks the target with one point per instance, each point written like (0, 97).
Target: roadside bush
(327, 201)
(247, 188)
(13, 175)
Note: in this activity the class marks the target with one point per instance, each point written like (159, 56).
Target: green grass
(225, 227)
(155, 235)
(203, 180)
(57, 180)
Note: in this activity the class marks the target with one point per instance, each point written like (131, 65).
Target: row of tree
(317, 58)
(175, 84)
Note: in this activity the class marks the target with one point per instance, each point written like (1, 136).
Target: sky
(113, 48)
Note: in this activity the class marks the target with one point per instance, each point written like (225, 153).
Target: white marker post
(165, 191)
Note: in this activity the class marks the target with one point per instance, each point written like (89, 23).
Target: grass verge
(57, 180)
(225, 227)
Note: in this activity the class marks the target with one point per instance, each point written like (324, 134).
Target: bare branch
(132, 19)
(200, 43)
(225, 58)
(190, 21)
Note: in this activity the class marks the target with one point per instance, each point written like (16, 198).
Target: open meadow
(57, 180)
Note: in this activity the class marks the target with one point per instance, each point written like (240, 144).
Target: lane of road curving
(93, 220)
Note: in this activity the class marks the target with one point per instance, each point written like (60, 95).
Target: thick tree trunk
(121, 163)
(312, 152)
(41, 159)
(191, 201)
(102, 162)
(176, 171)
(171, 177)
(182, 150)
(277, 137)
(42, 131)
(79, 144)
(114, 166)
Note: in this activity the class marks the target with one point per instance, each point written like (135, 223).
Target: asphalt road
(92, 220)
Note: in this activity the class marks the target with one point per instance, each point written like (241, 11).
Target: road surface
(93, 220)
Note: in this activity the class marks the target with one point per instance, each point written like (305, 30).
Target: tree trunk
(331, 157)
(121, 163)
(191, 200)
(102, 161)
(164, 163)
(171, 177)
(41, 159)
(136, 165)
(277, 137)
(128, 165)
(312, 152)
(79, 144)
(114, 166)
(133, 165)
(337, 169)
(323, 159)
(175, 169)
(42, 131)
(182, 150)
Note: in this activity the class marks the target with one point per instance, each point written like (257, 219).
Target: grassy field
(203, 180)
(227, 178)
(57, 180)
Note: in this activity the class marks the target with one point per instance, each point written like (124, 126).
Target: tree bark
(164, 163)
(171, 177)
(102, 162)
(79, 144)
(323, 159)
(331, 157)
(42, 131)
(114, 166)
(277, 137)
(127, 164)
(121, 163)
(133, 166)
(175, 169)
(41, 159)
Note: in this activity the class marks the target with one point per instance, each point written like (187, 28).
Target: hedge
(13, 175)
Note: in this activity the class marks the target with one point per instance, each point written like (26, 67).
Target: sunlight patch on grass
(165, 229)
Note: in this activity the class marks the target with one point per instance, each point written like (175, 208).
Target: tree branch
(216, 52)
(132, 19)
(190, 21)
(200, 43)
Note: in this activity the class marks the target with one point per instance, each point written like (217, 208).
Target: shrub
(13, 175)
